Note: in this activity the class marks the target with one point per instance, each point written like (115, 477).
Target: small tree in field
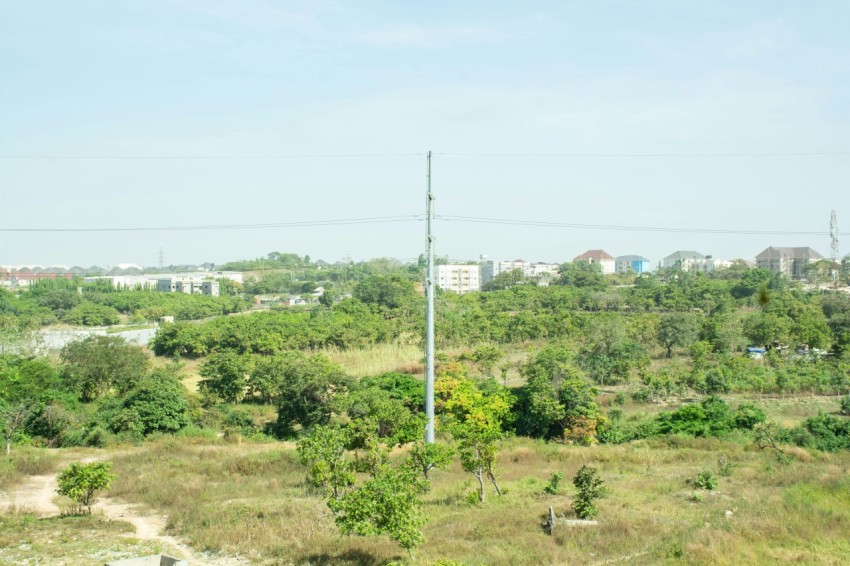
(588, 490)
(81, 481)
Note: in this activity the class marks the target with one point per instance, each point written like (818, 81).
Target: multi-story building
(600, 257)
(460, 278)
(541, 273)
(189, 286)
(694, 262)
(632, 264)
(787, 261)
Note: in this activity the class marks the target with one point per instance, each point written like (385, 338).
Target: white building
(189, 286)
(787, 261)
(459, 278)
(542, 273)
(694, 262)
(601, 257)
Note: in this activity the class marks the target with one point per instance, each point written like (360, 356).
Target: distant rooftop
(789, 253)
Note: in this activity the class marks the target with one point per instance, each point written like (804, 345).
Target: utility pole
(833, 236)
(429, 313)
(161, 259)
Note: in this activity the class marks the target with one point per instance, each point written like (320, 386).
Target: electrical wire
(302, 224)
(545, 224)
(223, 157)
(652, 155)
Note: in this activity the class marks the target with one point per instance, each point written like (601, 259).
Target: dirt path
(38, 494)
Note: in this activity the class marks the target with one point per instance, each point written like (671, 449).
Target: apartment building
(790, 262)
(459, 278)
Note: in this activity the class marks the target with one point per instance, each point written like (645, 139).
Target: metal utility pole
(429, 313)
(833, 236)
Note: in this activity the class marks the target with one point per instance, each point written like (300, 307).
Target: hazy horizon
(728, 116)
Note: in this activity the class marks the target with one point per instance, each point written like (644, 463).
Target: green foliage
(388, 503)
(404, 387)
(609, 355)
(705, 480)
(845, 405)
(711, 417)
(225, 377)
(589, 489)
(747, 416)
(384, 416)
(557, 401)
(306, 391)
(477, 418)
(96, 364)
(826, 432)
(80, 482)
(554, 485)
(157, 404)
(677, 329)
(91, 314)
(424, 457)
(390, 291)
(486, 356)
(324, 450)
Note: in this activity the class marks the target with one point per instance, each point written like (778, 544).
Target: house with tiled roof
(600, 257)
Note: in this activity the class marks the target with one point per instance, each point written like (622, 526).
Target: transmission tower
(833, 236)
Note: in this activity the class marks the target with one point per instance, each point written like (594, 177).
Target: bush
(554, 485)
(90, 314)
(158, 404)
(748, 416)
(711, 417)
(81, 481)
(589, 489)
(845, 406)
(705, 480)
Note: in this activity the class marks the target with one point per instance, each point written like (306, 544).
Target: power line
(232, 157)
(545, 224)
(653, 155)
(303, 224)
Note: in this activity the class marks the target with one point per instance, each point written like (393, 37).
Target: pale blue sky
(197, 77)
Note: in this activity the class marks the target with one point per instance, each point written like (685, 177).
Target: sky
(184, 113)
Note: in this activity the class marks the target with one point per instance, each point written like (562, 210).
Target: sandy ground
(38, 494)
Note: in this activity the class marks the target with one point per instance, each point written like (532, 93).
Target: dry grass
(378, 359)
(251, 500)
(26, 461)
(73, 540)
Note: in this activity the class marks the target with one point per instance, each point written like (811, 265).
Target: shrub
(158, 404)
(845, 406)
(705, 480)
(748, 415)
(589, 489)
(81, 481)
(554, 485)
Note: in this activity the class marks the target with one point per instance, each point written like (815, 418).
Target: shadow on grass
(348, 557)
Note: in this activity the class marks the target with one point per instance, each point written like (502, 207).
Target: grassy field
(250, 500)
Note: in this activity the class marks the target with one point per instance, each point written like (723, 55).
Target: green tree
(324, 450)
(80, 482)
(589, 489)
(225, 376)
(477, 420)
(557, 400)
(388, 503)
(505, 280)
(13, 417)
(306, 391)
(766, 328)
(158, 403)
(391, 291)
(90, 314)
(96, 364)
(677, 329)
